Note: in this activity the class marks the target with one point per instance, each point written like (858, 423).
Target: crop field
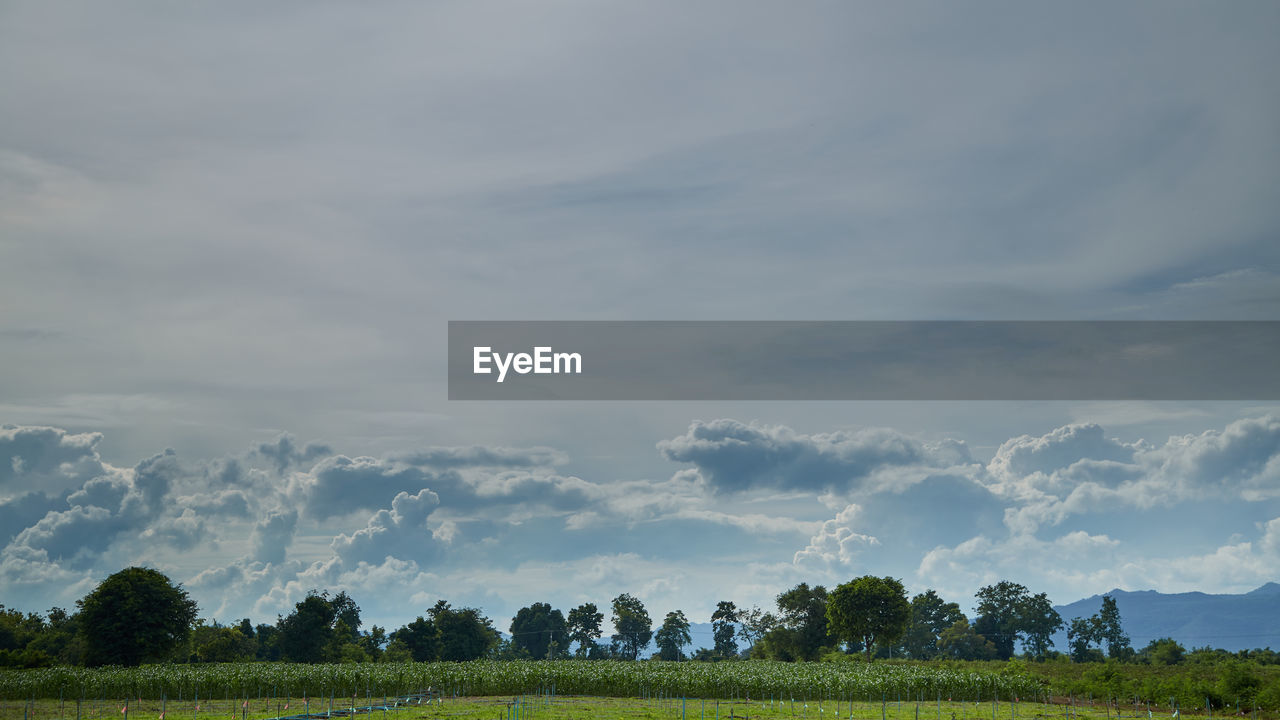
(560, 690)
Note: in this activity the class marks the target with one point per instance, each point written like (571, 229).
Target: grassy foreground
(546, 707)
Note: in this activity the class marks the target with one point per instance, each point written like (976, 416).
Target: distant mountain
(1195, 619)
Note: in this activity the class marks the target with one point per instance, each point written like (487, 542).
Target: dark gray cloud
(484, 457)
(46, 458)
(732, 456)
(272, 536)
(284, 452)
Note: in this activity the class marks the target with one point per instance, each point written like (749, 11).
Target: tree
(419, 638)
(219, 644)
(540, 631)
(673, 635)
(633, 627)
(753, 624)
(869, 610)
(464, 633)
(1164, 651)
(961, 642)
(1109, 630)
(1038, 621)
(724, 629)
(802, 630)
(1000, 614)
(136, 615)
(1081, 634)
(307, 633)
(930, 616)
(584, 627)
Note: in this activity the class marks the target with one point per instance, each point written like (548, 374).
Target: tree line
(139, 616)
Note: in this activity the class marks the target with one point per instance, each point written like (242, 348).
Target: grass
(535, 707)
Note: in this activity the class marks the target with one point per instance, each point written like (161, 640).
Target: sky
(232, 236)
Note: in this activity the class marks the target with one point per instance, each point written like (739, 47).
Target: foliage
(540, 631)
(634, 628)
(962, 642)
(672, 636)
(584, 627)
(136, 615)
(801, 633)
(869, 610)
(724, 629)
(755, 678)
(930, 616)
(464, 634)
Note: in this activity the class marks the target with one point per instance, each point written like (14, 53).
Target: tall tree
(633, 627)
(753, 624)
(1111, 631)
(136, 615)
(1081, 634)
(464, 633)
(961, 642)
(801, 633)
(1038, 622)
(673, 635)
(1000, 615)
(420, 639)
(869, 610)
(724, 628)
(540, 631)
(584, 627)
(306, 634)
(930, 616)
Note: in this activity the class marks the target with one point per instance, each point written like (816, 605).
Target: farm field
(560, 707)
(573, 690)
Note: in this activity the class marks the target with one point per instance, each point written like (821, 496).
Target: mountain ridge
(1195, 619)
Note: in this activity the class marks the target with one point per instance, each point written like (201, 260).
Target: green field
(561, 707)
(564, 690)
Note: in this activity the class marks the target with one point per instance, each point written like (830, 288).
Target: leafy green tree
(1164, 651)
(801, 633)
(753, 624)
(306, 634)
(1110, 631)
(724, 629)
(633, 627)
(1000, 615)
(962, 642)
(930, 616)
(1038, 621)
(220, 644)
(136, 615)
(373, 642)
(673, 635)
(540, 631)
(1082, 633)
(465, 634)
(268, 637)
(869, 610)
(419, 638)
(584, 627)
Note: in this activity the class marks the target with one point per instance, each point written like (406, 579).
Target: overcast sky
(231, 236)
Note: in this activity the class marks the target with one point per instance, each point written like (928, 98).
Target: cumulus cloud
(837, 543)
(731, 456)
(1076, 470)
(400, 532)
(272, 535)
(283, 452)
(46, 459)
